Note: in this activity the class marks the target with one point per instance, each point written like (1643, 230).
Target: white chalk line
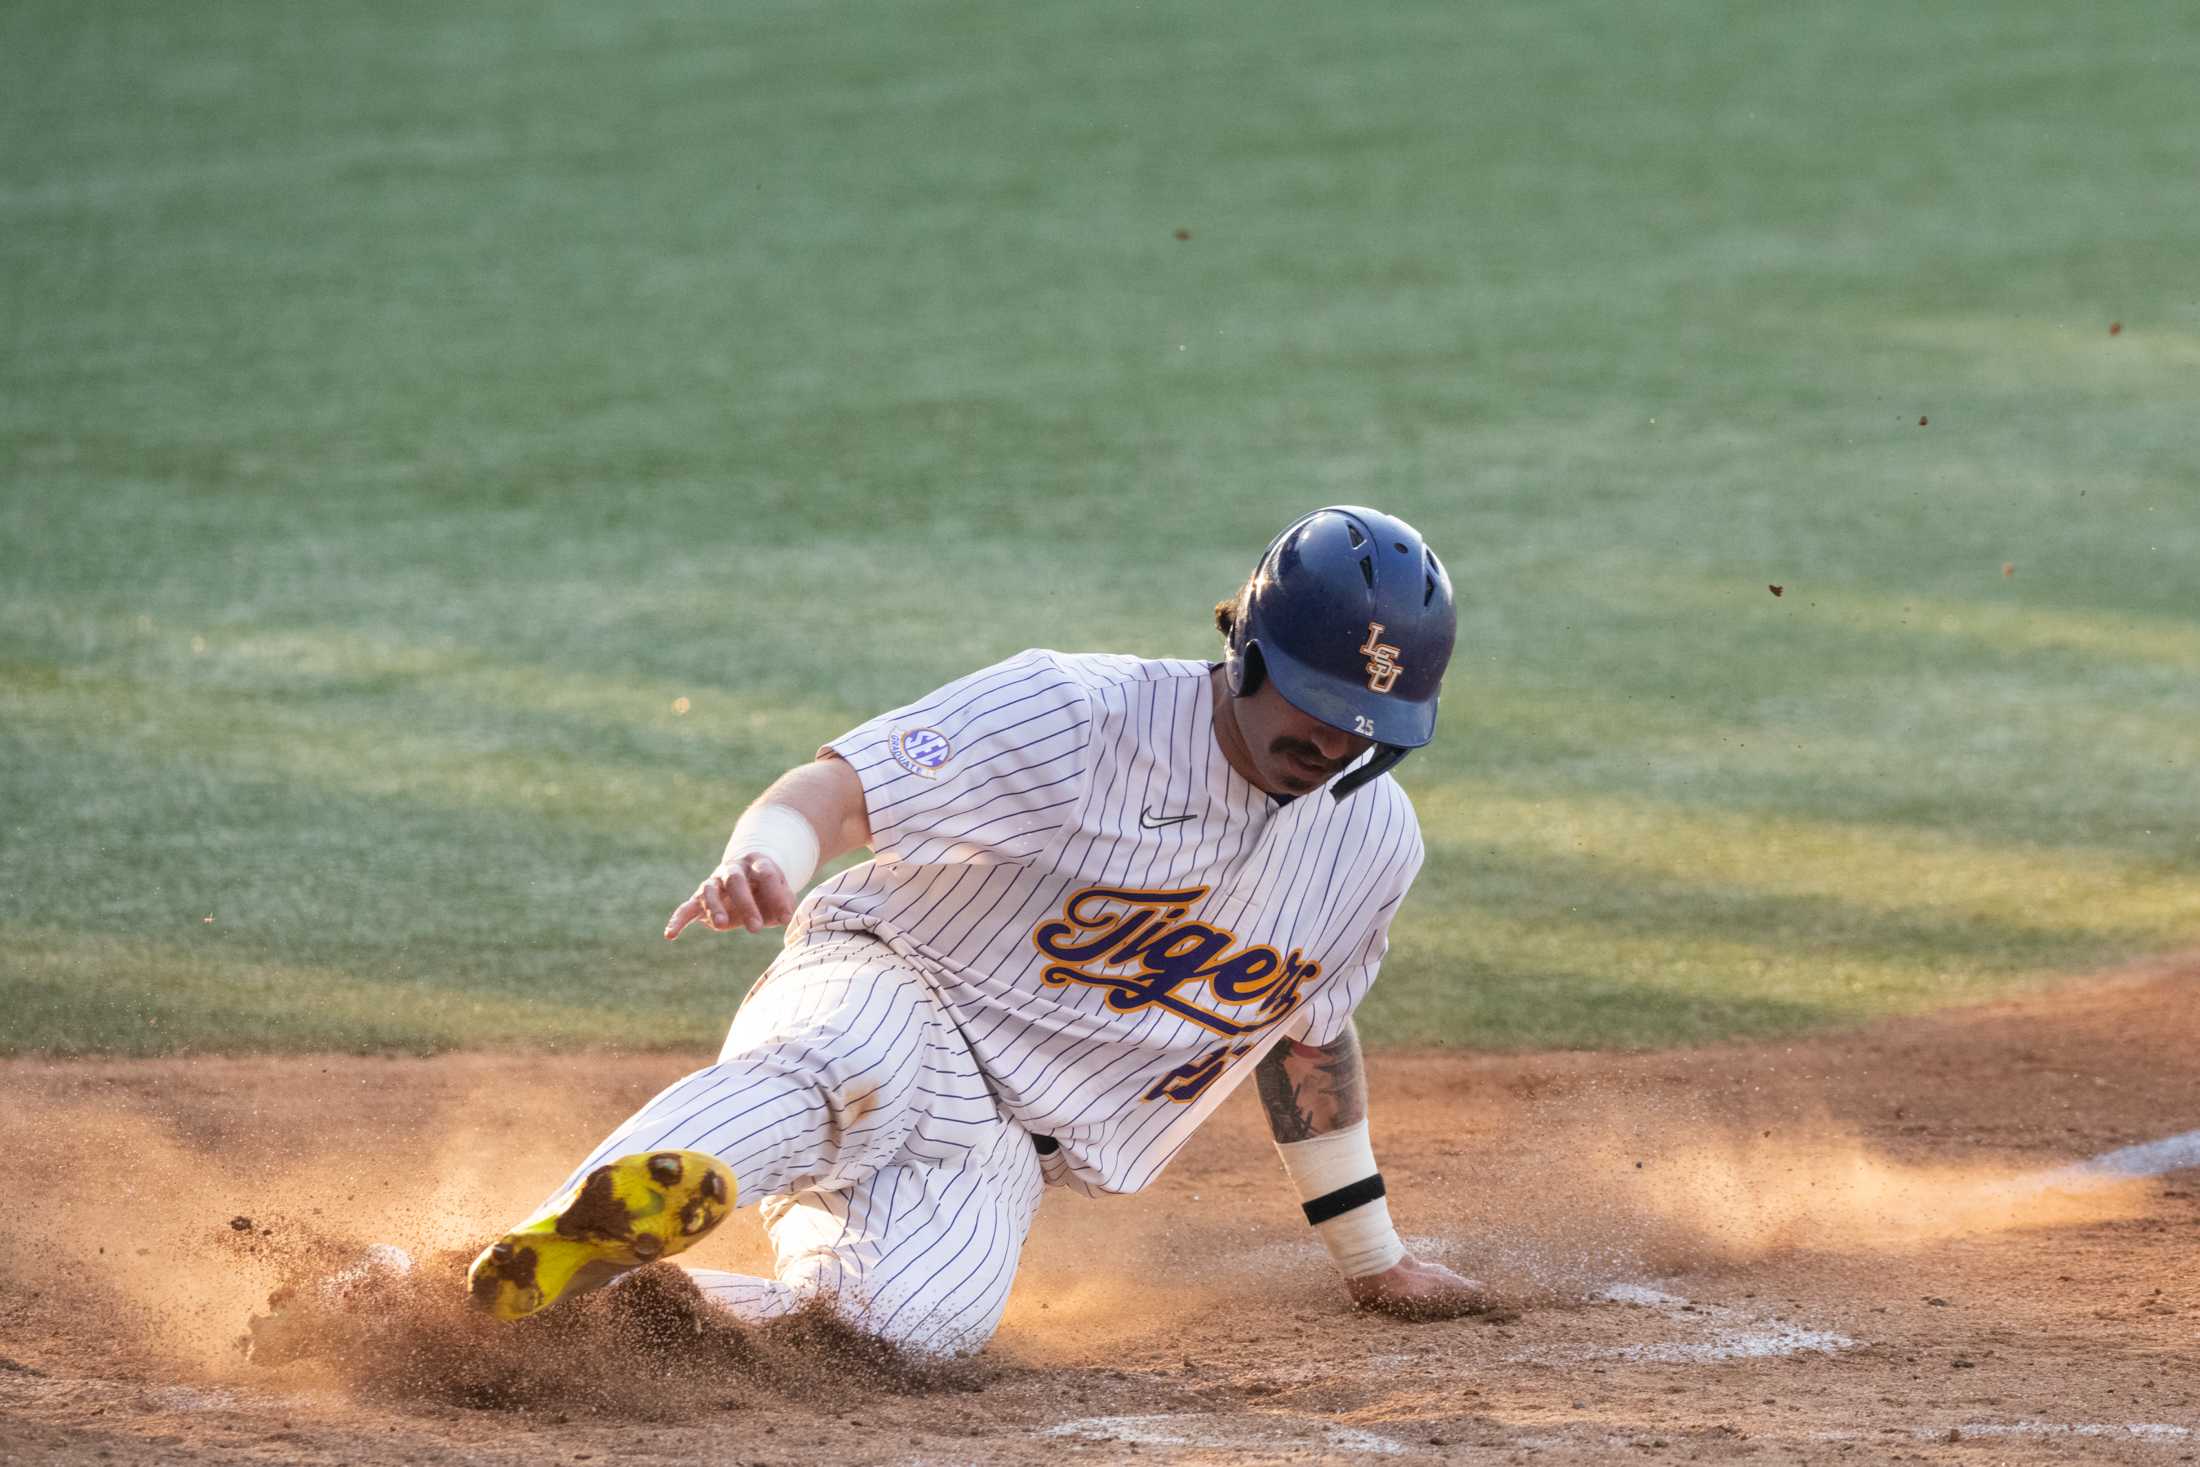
(2154, 1431)
(1209, 1431)
(1728, 1334)
(2142, 1430)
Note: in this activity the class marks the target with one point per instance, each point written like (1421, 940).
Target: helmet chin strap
(1385, 759)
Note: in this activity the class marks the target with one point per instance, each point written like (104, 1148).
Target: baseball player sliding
(1103, 890)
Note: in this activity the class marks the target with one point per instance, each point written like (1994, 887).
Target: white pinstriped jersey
(1117, 921)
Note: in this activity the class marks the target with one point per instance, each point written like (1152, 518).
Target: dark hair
(1226, 612)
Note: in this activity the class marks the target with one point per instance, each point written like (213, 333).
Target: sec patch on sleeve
(921, 751)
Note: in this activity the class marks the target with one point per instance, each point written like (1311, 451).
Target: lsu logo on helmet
(1383, 665)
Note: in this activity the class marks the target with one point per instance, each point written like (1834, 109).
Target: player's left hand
(1411, 1289)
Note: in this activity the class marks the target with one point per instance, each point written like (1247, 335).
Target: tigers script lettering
(1140, 946)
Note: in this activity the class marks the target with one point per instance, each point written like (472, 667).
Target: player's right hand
(1411, 1289)
(749, 891)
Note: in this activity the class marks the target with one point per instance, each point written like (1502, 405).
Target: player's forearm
(1311, 1090)
(1316, 1097)
(827, 794)
(808, 816)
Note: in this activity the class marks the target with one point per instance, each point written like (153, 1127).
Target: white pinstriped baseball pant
(889, 1181)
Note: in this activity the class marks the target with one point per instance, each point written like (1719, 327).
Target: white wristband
(782, 833)
(1335, 1176)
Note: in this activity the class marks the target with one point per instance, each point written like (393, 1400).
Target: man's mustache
(1301, 749)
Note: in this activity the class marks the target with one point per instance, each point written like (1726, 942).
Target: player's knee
(850, 1097)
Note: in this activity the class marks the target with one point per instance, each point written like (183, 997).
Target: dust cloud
(160, 1224)
(236, 1255)
(1617, 1198)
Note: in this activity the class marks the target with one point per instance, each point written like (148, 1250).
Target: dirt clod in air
(652, 1347)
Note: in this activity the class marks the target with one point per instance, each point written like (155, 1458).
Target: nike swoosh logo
(1151, 821)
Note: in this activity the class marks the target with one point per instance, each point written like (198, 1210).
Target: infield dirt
(1816, 1251)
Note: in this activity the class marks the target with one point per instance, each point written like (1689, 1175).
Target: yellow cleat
(624, 1214)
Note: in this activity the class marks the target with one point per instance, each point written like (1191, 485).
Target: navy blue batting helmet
(1349, 613)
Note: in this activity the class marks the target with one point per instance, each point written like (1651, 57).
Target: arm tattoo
(1311, 1090)
(1286, 1122)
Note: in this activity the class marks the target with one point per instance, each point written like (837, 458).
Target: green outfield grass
(402, 406)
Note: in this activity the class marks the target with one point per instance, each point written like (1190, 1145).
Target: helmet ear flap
(1243, 669)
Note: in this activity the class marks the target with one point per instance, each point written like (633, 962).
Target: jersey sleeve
(1331, 1009)
(987, 769)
